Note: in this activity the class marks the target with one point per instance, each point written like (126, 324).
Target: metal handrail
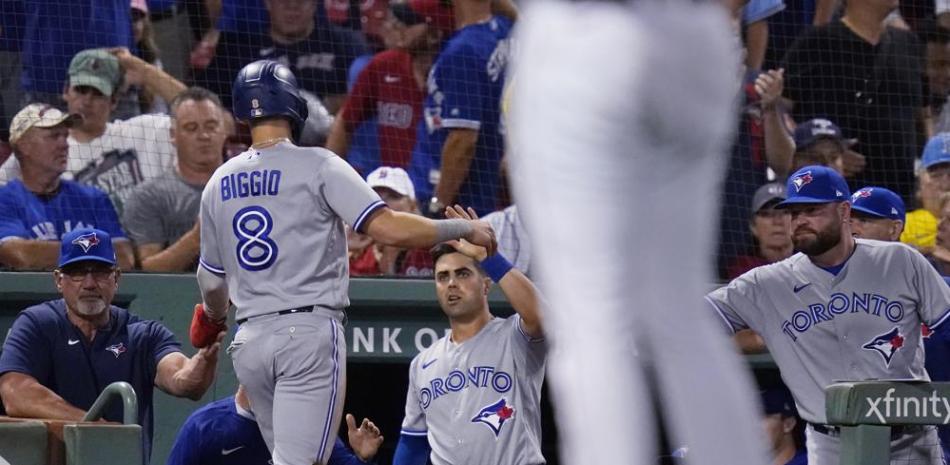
(130, 403)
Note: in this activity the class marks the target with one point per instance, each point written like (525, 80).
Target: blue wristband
(496, 266)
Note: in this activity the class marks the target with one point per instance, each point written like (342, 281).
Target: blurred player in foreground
(608, 150)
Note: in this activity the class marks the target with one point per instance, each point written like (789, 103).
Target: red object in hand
(204, 332)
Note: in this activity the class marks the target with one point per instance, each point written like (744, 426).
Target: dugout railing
(866, 410)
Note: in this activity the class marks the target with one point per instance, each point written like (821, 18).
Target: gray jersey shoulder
(272, 222)
(863, 323)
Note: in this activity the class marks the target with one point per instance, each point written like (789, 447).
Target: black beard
(823, 242)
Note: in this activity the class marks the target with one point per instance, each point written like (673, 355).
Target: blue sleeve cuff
(411, 450)
(496, 266)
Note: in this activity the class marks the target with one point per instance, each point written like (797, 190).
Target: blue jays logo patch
(117, 349)
(886, 344)
(495, 415)
(863, 193)
(801, 180)
(86, 241)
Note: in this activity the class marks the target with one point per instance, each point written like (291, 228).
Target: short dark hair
(443, 249)
(198, 94)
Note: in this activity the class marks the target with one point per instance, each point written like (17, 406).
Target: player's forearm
(779, 146)
(525, 299)
(410, 231)
(338, 141)
(457, 155)
(23, 396)
(403, 230)
(179, 256)
(29, 254)
(214, 293)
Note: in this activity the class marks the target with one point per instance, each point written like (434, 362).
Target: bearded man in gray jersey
(840, 309)
(474, 395)
(273, 242)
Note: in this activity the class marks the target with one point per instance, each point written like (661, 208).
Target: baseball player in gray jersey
(840, 309)
(273, 242)
(474, 395)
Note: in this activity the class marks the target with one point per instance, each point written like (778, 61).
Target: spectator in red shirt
(368, 258)
(391, 86)
(771, 229)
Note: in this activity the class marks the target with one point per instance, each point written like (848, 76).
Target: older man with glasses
(61, 354)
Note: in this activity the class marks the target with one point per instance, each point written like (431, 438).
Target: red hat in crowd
(437, 13)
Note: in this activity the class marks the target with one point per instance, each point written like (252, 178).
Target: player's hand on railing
(365, 440)
(470, 245)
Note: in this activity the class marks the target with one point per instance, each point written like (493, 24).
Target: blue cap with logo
(86, 244)
(813, 130)
(815, 184)
(878, 202)
(937, 150)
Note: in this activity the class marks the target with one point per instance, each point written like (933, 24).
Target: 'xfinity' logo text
(894, 408)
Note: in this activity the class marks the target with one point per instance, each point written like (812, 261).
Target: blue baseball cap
(813, 130)
(815, 184)
(878, 202)
(86, 244)
(937, 150)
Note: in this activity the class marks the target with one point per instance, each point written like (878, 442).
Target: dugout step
(88, 444)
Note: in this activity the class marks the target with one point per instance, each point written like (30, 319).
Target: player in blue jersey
(225, 432)
(38, 209)
(61, 354)
(463, 143)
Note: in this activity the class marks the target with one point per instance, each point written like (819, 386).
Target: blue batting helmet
(267, 89)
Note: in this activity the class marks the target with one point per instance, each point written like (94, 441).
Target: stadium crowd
(116, 115)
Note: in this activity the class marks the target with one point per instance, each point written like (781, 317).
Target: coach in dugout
(61, 354)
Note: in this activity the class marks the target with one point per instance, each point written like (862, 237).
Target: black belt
(282, 312)
(896, 430)
(167, 13)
